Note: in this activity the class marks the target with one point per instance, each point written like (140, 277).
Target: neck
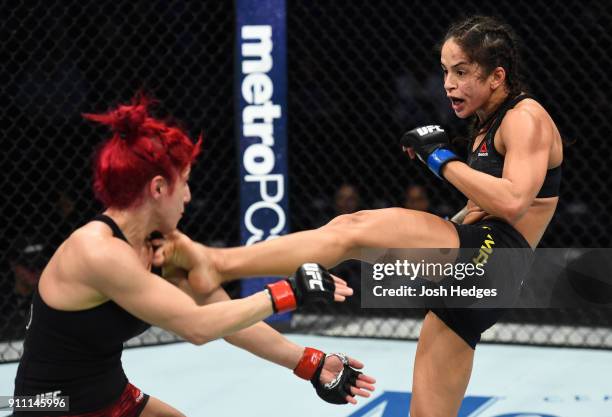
(136, 224)
(490, 107)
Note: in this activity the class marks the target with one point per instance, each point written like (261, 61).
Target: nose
(449, 83)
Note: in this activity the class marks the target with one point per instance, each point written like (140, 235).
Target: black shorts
(470, 323)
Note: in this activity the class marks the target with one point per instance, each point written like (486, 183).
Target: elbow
(512, 211)
(197, 338)
(232, 340)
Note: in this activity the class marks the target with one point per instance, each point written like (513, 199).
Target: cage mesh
(360, 73)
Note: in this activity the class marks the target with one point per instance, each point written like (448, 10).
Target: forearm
(218, 320)
(493, 195)
(265, 342)
(259, 339)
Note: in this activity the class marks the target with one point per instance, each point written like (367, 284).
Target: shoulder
(527, 123)
(528, 112)
(93, 250)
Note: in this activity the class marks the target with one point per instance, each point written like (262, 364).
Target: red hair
(140, 148)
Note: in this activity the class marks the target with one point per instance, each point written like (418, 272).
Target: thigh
(442, 369)
(157, 408)
(404, 228)
(395, 228)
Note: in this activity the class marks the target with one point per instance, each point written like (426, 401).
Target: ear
(158, 186)
(497, 78)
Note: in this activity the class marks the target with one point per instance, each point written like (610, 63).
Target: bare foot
(177, 250)
(205, 277)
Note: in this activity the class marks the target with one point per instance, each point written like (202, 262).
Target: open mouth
(456, 101)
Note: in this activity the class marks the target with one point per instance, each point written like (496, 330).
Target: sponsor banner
(261, 118)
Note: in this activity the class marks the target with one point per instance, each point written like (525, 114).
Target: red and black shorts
(130, 404)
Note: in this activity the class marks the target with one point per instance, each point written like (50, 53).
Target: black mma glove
(310, 284)
(310, 366)
(430, 144)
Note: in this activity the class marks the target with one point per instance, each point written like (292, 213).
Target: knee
(342, 220)
(343, 229)
(365, 218)
(351, 219)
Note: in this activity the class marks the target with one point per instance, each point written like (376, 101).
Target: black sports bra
(486, 159)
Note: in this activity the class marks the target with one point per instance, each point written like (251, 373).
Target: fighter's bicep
(119, 276)
(527, 152)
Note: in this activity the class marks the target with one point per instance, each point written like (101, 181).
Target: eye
(460, 73)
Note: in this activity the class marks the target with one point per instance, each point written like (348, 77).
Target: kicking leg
(343, 238)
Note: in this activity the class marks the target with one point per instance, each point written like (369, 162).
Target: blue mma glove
(430, 143)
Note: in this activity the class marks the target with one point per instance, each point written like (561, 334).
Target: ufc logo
(314, 272)
(48, 395)
(425, 130)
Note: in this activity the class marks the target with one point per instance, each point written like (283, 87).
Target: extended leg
(343, 238)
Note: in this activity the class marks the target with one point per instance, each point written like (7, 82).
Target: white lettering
(425, 130)
(258, 159)
(257, 88)
(261, 49)
(313, 271)
(258, 117)
(263, 186)
(257, 232)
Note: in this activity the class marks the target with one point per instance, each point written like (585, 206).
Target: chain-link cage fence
(63, 58)
(360, 73)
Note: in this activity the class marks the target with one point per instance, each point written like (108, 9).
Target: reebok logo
(483, 151)
(313, 271)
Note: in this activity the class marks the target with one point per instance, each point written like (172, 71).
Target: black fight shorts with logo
(470, 323)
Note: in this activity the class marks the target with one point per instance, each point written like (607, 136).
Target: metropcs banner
(261, 122)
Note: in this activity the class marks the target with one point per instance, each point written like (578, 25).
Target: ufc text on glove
(431, 146)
